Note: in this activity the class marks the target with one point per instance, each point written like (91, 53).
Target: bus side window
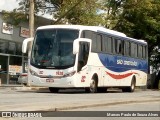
(136, 50)
(86, 34)
(118, 46)
(109, 47)
(140, 51)
(132, 49)
(127, 48)
(107, 44)
(99, 43)
(94, 42)
(83, 54)
(144, 52)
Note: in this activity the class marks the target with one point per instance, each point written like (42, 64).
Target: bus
(90, 57)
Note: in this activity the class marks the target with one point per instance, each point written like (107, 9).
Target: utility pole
(31, 24)
(31, 18)
(31, 31)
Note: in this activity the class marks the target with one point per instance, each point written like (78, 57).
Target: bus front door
(82, 68)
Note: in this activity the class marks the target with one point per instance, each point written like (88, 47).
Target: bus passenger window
(144, 52)
(136, 50)
(94, 42)
(107, 44)
(109, 47)
(127, 48)
(139, 51)
(99, 43)
(132, 49)
(118, 47)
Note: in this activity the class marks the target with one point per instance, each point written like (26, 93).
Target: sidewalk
(20, 87)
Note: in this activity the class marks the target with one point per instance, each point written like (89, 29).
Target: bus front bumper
(66, 82)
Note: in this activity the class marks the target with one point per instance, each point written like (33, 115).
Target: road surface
(78, 100)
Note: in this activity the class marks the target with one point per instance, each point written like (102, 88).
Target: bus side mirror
(75, 46)
(25, 44)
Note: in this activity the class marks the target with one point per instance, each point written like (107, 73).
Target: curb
(100, 105)
(23, 88)
(28, 88)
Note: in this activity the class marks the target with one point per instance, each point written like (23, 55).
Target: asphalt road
(125, 110)
(29, 100)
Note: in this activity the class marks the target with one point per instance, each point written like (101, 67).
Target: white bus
(89, 57)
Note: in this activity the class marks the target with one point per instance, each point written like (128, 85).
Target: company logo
(6, 114)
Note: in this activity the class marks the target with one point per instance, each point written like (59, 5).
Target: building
(12, 61)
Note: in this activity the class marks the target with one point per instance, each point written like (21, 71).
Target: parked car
(23, 78)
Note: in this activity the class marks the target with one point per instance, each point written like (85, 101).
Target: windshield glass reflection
(53, 48)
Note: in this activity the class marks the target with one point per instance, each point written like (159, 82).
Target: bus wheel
(93, 86)
(131, 88)
(53, 90)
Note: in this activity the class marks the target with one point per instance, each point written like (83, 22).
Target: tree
(84, 13)
(140, 19)
(43, 6)
(21, 13)
(14, 17)
(69, 11)
(112, 11)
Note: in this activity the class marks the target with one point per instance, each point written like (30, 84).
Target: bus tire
(93, 86)
(87, 90)
(53, 90)
(131, 88)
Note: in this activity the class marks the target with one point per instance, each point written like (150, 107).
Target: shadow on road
(69, 91)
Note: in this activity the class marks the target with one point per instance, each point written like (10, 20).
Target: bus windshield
(53, 48)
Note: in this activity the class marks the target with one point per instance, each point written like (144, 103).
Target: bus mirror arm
(25, 44)
(75, 46)
(84, 67)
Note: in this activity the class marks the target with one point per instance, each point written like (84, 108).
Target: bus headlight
(33, 73)
(69, 74)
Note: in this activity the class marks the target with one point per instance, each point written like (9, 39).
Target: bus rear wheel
(53, 90)
(131, 88)
(102, 90)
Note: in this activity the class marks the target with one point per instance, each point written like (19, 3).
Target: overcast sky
(8, 5)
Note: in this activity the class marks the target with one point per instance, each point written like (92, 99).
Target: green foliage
(67, 11)
(43, 6)
(14, 17)
(112, 10)
(84, 13)
(141, 19)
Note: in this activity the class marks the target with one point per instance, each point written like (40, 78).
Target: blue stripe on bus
(121, 64)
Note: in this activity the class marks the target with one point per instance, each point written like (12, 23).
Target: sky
(8, 5)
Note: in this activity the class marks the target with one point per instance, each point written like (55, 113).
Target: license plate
(50, 80)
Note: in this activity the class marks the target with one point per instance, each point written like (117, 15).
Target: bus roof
(81, 27)
(137, 40)
(93, 28)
